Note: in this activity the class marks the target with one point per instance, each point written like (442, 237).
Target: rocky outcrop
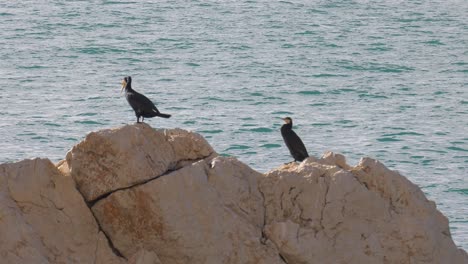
(114, 159)
(320, 212)
(202, 213)
(140, 195)
(43, 218)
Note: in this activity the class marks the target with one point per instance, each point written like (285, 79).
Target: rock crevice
(43, 219)
(114, 159)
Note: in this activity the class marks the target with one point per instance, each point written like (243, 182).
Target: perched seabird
(142, 106)
(292, 140)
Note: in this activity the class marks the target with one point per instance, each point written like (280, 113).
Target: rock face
(113, 159)
(317, 212)
(139, 195)
(186, 217)
(43, 218)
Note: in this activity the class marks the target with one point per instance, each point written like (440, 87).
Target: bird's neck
(286, 127)
(128, 87)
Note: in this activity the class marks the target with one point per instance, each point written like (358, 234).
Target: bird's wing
(141, 103)
(295, 145)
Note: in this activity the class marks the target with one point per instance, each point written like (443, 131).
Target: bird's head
(287, 120)
(126, 81)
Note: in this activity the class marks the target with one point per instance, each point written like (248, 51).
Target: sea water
(385, 79)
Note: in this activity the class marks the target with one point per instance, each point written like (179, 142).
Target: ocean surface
(385, 79)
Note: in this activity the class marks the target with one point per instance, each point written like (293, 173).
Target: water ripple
(386, 80)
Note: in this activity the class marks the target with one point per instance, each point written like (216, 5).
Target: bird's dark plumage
(142, 106)
(293, 142)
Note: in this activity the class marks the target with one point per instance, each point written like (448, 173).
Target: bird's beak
(124, 83)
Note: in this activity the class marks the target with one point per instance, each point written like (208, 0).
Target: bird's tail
(163, 115)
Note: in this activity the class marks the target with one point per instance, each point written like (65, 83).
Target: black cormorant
(293, 142)
(142, 106)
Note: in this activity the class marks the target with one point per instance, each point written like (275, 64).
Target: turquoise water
(362, 78)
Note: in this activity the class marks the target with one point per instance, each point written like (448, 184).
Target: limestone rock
(202, 213)
(113, 159)
(144, 257)
(331, 158)
(43, 218)
(320, 212)
(164, 197)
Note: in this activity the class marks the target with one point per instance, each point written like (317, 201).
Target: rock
(144, 257)
(113, 159)
(202, 213)
(319, 212)
(43, 218)
(139, 195)
(334, 159)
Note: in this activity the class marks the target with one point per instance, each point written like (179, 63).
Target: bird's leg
(142, 118)
(138, 119)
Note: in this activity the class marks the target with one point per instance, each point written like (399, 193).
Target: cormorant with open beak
(142, 106)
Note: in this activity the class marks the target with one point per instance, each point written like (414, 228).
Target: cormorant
(292, 140)
(142, 106)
